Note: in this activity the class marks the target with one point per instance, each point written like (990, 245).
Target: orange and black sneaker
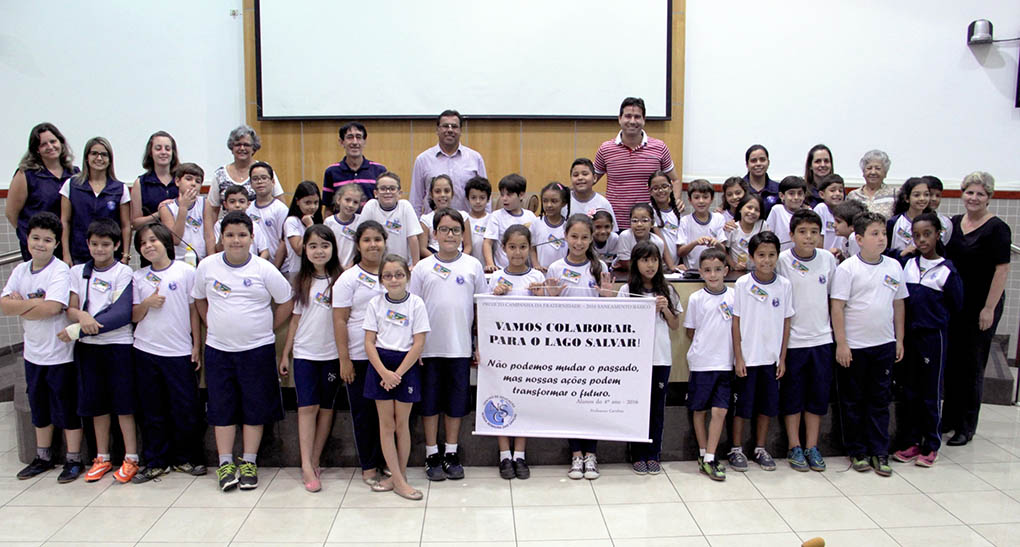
(99, 468)
(127, 471)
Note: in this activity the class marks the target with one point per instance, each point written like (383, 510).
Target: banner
(564, 367)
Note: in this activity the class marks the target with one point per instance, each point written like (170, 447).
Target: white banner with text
(564, 367)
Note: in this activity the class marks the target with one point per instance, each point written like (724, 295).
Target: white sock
(450, 448)
(103, 457)
(430, 450)
(709, 458)
(519, 455)
(735, 450)
(132, 457)
(759, 449)
(504, 455)
(249, 457)
(226, 458)
(701, 452)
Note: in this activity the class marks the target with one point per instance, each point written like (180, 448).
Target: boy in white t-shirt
(792, 191)
(810, 356)
(762, 307)
(710, 358)
(583, 198)
(236, 288)
(935, 188)
(267, 213)
(235, 198)
(511, 193)
(447, 281)
(186, 222)
(100, 311)
(479, 191)
(867, 320)
(396, 215)
(831, 189)
(701, 229)
(843, 215)
(37, 291)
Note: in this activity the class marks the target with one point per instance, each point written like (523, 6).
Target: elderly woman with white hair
(980, 249)
(876, 195)
(243, 143)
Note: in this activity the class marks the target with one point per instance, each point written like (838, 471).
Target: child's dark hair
(589, 254)
(603, 215)
(726, 185)
(792, 182)
(162, 233)
(934, 183)
(304, 189)
(672, 198)
(516, 230)
(711, 253)
(46, 220)
(641, 205)
(865, 219)
(583, 161)
(829, 180)
(700, 186)
(805, 216)
(344, 189)
(388, 175)
(432, 186)
(748, 198)
(847, 210)
(513, 184)
(189, 169)
(362, 228)
(636, 283)
(235, 189)
(903, 195)
(763, 238)
(104, 227)
(262, 164)
(306, 274)
(444, 212)
(563, 192)
(928, 216)
(394, 258)
(478, 183)
(237, 217)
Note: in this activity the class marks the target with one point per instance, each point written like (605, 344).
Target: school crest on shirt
(504, 282)
(726, 310)
(39, 293)
(891, 282)
(460, 279)
(100, 285)
(396, 317)
(247, 282)
(394, 225)
(441, 271)
(821, 279)
(173, 286)
(556, 242)
(151, 277)
(194, 223)
(902, 232)
(799, 266)
(758, 293)
(348, 232)
(479, 229)
(669, 226)
(570, 275)
(322, 298)
(366, 280)
(255, 218)
(775, 302)
(830, 225)
(111, 205)
(221, 287)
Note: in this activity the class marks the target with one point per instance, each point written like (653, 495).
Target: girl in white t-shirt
(667, 215)
(345, 220)
(547, 232)
(734, 189)
(440, 194)
(304, 212)
(647, 279)
(604, 239)
(641, 215)
(395, 327)
(737, 240)
(316, 364)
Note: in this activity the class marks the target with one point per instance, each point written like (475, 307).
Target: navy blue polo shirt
(155, 192)
(42, 194)
(769, 194)
(340, 174)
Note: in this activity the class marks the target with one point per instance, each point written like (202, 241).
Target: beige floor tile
(186, 524)
(567, 543)
(48, 492)
(1000, 535)
(853, 483)
(161, 493)
(288, 491)
(977, 451)
(980, 507)
(1004, 476)
(782, 539)
(945, 476)
(205, 492)
(649, 520)
(470, 492)
(100, 524)
(558, 490)
(275, 526)
(612, 489)
(360, 495)
(685, 541)
(787, 483)
(904, 510)
(938, 536)
(478, 525)
(851, 538)
(9, 488)
(549, 523)
(31, 523)
(394, 524)
(717, 517)
(695, 486)
(822, 514)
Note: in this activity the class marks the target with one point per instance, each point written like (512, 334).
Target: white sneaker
(576, 468)
(591, 467)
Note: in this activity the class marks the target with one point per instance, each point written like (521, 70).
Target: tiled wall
(1008, 210)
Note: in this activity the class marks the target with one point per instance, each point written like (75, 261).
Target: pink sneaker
(927, 460)
(908, 455)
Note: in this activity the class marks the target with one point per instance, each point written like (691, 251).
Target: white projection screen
(406, 59)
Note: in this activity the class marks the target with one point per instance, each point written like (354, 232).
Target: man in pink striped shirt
(630, 159)
(354, 168)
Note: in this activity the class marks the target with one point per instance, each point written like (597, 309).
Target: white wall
(122, 69)
(858, 75)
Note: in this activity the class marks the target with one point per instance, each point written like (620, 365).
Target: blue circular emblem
(173, 286)
(498, 412)
(111, 205)
(775, 302)
(821, 279)
(592, 284)
(460, 279)
(247, 282)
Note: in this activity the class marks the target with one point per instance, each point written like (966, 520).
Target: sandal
(313, 485)
(382, 487)
(371, 481)
(415, 495)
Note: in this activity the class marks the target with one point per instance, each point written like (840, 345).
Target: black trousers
(969, 347)
(864, 390)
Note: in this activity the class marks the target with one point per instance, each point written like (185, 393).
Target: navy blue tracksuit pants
(365, 418)
(923, 368)
(656, 418)
(864, 390)
(171, 412)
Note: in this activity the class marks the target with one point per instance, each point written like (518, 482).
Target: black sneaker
(249, 473)
(452, 467)
(149, 472)
(521, 469)
(71, 471)
(506, 469)
(193, 470)
(227, 474)
(434, 467)
(37, 467)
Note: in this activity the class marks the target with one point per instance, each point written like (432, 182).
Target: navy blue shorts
(316, 382)
(756, 393)
(243, 386)
(106, 379)
(709, 389)
(807, 384)
(445, 381)
(409, 389)
(53, 395)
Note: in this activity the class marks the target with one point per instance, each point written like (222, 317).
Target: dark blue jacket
(931, 303)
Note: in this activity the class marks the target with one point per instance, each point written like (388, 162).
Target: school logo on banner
(498, 412)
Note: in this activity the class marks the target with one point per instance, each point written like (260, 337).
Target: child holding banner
(710, 357)
(580, 273)
(647, 279)
(517, 279)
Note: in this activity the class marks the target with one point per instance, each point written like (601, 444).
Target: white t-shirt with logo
(314, 337)
(691, 229)
(400, 223)
(869, 291)
(104, 287)
(516, 283)
(762, 308)
(166, 330)
(354, 290)
(549, 241)
(396, 323)
(194, 235)
(448, 290)
(499, 221)
(812, 281)
(711, 316)
(662, 349)
(50, 284)
(270, 220)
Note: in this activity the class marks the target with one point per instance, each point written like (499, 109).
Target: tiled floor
(971, 497)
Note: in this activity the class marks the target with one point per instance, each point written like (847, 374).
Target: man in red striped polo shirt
(630, 159)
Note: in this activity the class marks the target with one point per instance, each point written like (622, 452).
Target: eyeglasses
(262, 178)
(352, 137)
(455, 230)
(97, 154)
(387, 189)
(449, 126)
(397, 276)
(640, 221)
(243, 145)
(660, 188)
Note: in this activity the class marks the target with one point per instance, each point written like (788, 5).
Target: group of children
(103, 340)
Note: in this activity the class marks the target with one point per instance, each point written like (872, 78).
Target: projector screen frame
(261, 117)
